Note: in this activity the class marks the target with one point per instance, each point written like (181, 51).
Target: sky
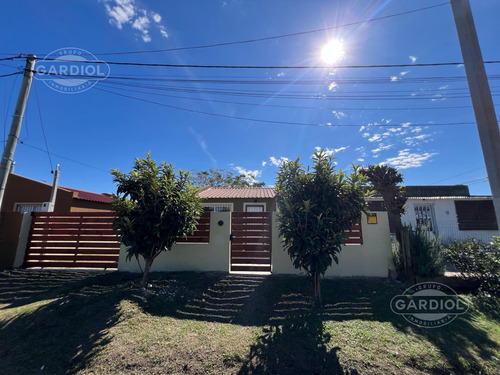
(417, 119)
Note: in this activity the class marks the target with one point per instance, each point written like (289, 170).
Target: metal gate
(72, 240)
(251, 244)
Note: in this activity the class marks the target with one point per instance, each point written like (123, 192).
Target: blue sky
(91, 132)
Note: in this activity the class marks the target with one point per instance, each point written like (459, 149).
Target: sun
(333, 51)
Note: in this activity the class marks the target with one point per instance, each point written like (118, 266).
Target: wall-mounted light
(372, 218)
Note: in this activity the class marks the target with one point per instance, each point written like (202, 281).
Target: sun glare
(333, 51)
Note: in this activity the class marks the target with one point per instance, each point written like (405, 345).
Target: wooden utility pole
(15, 127)
(480, 93)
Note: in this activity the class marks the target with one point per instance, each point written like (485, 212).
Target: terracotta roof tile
(89, 196)
(238, 192)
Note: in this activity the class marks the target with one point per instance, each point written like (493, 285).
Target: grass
(190, 323)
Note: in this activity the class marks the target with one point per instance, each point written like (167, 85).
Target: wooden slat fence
(251, 241)
(355, 235)
(202, 233)
(72, 240)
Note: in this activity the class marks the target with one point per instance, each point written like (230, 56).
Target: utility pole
(53, 193)
(480, 93)
(15, 127)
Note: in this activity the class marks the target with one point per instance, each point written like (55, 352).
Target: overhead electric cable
(43, 128)
(275, 121)
(287, 106)
(164, 65)
(64, 157)
(221, 44)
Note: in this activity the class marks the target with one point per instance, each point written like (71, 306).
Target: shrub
(427, 252)
(397, 255)
(478, 260)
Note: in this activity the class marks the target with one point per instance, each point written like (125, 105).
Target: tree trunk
(317, 288)
(145, 275)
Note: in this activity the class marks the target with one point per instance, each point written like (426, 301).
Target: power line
(64, 157)
(458, 175)
(288, 106)
(43, 128)
(276, 36)
(7, 110)
(164, 65)
(253, 40)
(10, 74)
(275, 121)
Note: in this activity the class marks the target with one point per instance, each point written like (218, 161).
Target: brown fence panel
(355, 235)
(251, 241)
(202, 232)
(73, 240)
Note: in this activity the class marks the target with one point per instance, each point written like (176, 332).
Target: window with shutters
(476, 215)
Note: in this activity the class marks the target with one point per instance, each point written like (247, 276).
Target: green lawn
(190, 323)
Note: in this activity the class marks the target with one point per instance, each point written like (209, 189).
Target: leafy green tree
(315, 208)
(154, 204)
(222, 178)
(384, 180)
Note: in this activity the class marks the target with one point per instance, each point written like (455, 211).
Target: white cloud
(375, 138)
(142, 24)
(406, 124)
(361, 159)
(394, 78)
(394, 130)
(277, 161)
(332, 86)
(156, 17)
(264, 163)
(362, 128)
(120, 13)
(126, 12)
(280, 74)
(364, 135)
(203, 145)
(163, 32)
(402, 74)
(413, 59)
(332, 151)
(407, 159)
(339, 114)
(381, 148)
(250, 175)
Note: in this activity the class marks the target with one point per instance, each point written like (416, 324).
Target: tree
(385, 180)
(154, 204)
(315, 209)
(223, 178)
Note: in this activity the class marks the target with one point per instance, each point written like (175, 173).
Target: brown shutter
(476, 215)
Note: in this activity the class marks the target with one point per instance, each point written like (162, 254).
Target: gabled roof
(89, 196)
(237, 192)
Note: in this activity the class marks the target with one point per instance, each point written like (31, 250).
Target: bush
(397, 255)
(427, 252)
(478, 260)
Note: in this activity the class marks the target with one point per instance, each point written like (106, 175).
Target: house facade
(23, 194)
(451, 212)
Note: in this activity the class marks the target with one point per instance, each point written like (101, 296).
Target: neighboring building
(239, 199)
(26, 195)
(451, 212)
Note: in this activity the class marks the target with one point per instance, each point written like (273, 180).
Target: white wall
(446, 220)
(213, 256)
(372, 259)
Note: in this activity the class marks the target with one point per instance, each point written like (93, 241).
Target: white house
(451, 212)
